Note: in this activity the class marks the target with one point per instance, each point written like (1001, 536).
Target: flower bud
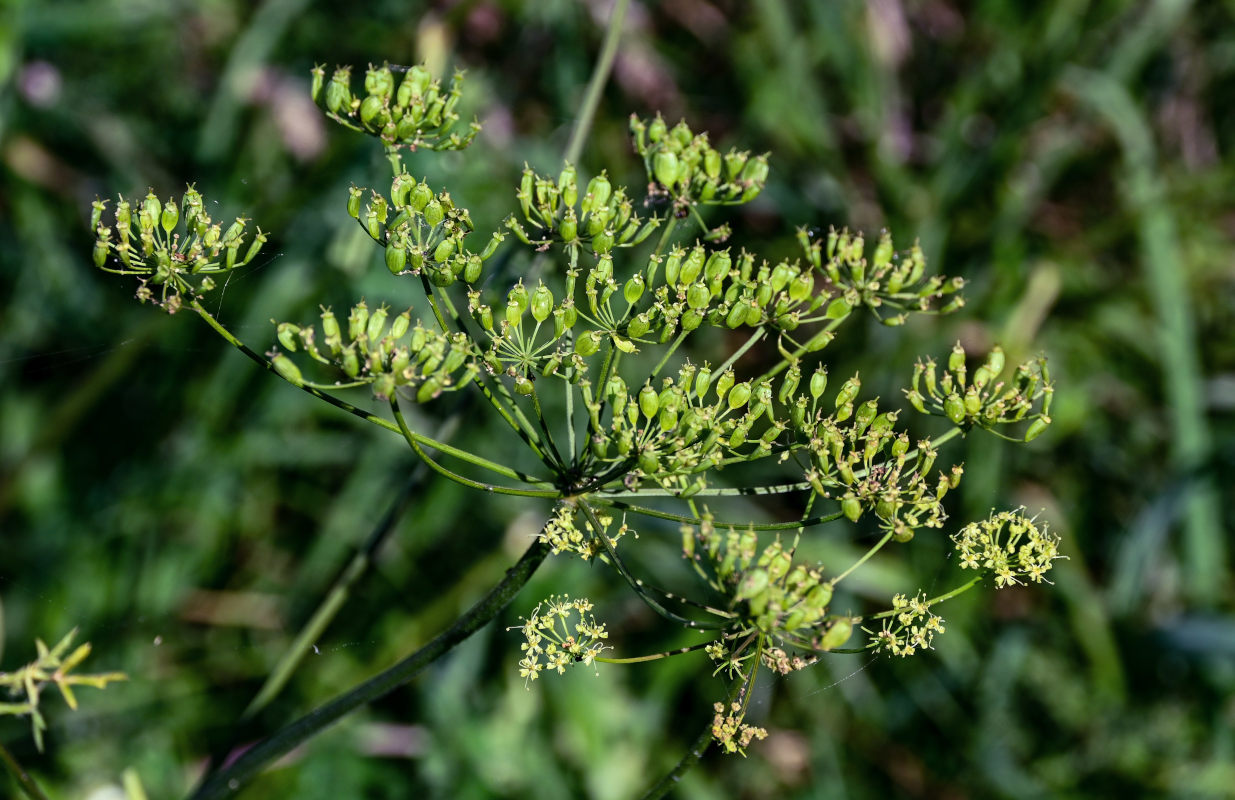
(838, 308)
(851, 506)
(599, 190)
(319, 78)
(338, 93)
(603, 242)
(170, 215)
(737, 314)
(377, 321)
(373, 112)
(444, 250)
(673, 266)
(866, 414)
(789, 385)
(357, 320)
(956, 359)
(428, 390)
(818, 381)
(1037, 428)
(649, 401)
(657, 129)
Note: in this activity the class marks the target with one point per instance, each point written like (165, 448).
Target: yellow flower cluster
(553, 642)
(1010, 545)
(731, 732)
(910, 627)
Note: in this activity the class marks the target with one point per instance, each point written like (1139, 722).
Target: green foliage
(1070, 162)
(569, 338)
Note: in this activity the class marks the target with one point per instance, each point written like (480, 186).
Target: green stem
(695, 752)
(672, 349)
(964, 587)
(636, 584)
(664, 237)
(449, 450)
(748, 344)
(225, 782)
(456, 477)
(20, 775)
(600, 75)
(654, 656)
(869, 554)
(337, 596)
(766, 526)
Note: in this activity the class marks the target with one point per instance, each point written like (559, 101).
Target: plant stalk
(225, 782)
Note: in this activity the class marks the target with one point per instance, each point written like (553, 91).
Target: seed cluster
(417, 114)
(172, 245)
(982, 400)
(686, 169)
(630, 429)
(386, 356)
(887, 280)
(605, 218)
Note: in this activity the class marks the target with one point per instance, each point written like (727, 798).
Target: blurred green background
(1072, 160)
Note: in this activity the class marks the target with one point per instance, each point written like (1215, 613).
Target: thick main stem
(227, 781)
(20, 775)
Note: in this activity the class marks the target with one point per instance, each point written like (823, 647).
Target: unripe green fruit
(288, 370)
(665, 168)
(588, 343)
(852, 507)
(396, 258)
(954, 407)
(837, 634)
(541, 303)
(739, 395)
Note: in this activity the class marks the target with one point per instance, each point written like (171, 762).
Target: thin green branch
(225, 782)
(456, 477)
(764, 526)
(599, 531)
(887, 537)
(964, 587)
(654, 656)
(367, 416)
(600, 75)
